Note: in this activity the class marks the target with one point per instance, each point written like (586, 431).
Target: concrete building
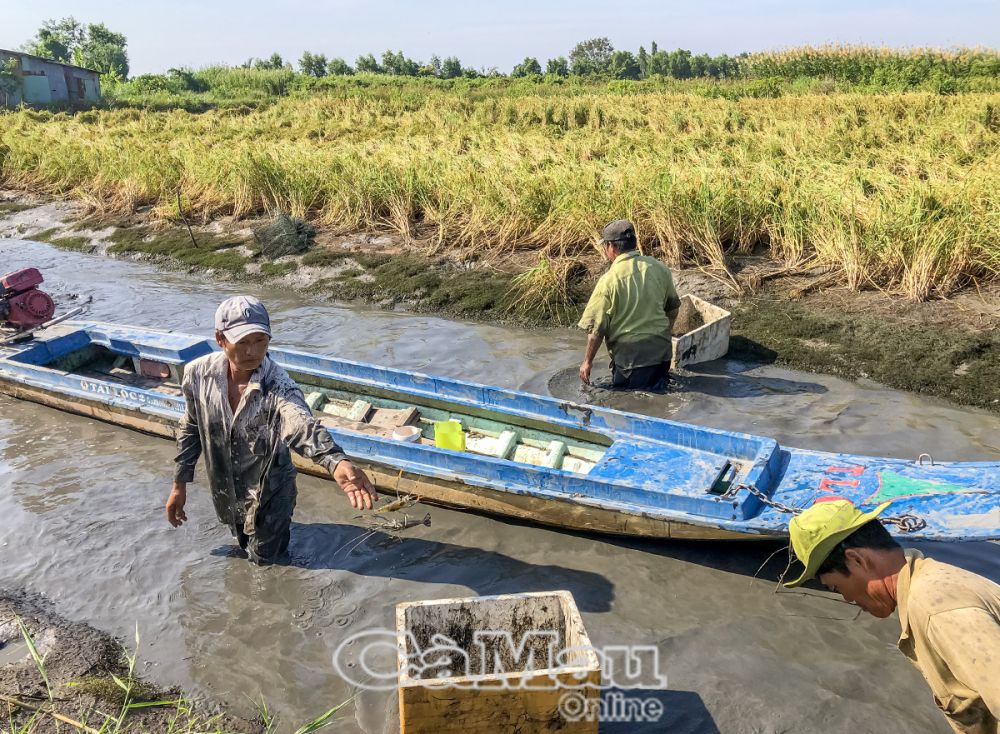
(38, 81)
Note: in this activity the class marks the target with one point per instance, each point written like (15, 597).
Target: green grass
(177, 244)
(36, 657)
(12, 207)
(424, 283)
(863, 345)
(278, 270)
(46, 235)
(324, 257)
(123, 701)
(764, 74)
(76, 243)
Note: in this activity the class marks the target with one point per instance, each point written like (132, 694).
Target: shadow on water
(761, 558)
(767, 559)
(322, 546)
(750, 352)
(724, 384)
(681, 712)
(726, 378)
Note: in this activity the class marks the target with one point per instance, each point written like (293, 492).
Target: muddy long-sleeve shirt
(950, 622)
(272, 416)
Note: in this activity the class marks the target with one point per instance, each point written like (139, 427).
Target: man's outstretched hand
(359, 490)
(175, 505)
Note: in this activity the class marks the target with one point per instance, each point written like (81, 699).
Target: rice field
(896, 191)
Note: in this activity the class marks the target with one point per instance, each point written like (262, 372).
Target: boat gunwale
(765, 446)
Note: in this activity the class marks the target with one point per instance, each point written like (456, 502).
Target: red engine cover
(29, 309)
(20, 280)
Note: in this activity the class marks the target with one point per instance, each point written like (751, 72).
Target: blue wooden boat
(529, 457)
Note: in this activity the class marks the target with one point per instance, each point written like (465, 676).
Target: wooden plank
(487, 414)
(360, 410)
(394, 418)
(346, 424)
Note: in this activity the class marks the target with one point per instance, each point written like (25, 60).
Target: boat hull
(564, 515)
(645, 477)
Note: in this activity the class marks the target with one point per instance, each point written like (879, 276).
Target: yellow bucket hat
(816, 532)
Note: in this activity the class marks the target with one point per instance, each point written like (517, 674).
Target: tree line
(593, 57)
(93, 46)
(97, 47)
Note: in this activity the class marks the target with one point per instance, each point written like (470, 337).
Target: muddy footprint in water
(345, 614)
(321, 606)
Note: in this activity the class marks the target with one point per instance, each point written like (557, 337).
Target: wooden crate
(473, 685)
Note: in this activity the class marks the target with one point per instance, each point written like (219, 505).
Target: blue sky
(483, 34)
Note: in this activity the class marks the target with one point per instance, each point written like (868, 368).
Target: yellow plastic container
(449, 435)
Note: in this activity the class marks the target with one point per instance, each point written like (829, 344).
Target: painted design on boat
(892, 487)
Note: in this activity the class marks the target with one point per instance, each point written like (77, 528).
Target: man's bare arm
(188, 451)
(593, 344)
(307, 436)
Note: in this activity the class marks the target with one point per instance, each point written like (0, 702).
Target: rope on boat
(904, 523)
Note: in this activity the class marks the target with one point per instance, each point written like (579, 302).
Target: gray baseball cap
(240, 316)
(620, 230)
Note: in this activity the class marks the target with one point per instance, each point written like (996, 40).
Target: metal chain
(905, 523)
(780, 507)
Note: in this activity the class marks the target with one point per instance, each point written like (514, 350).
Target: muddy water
(81, 517)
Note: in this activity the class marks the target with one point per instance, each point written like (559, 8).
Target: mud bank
(75, 687)
(948, 349)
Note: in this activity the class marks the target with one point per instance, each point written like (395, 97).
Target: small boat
(529, 457)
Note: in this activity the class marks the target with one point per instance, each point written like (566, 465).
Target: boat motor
(22, 305)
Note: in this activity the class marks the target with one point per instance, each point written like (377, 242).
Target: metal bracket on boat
(920, 459)
(904, 523)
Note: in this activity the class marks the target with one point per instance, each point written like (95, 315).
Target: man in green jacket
(949, 617)
(632, 308)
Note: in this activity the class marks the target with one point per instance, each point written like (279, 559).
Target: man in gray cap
(244, 412)
(632, 307)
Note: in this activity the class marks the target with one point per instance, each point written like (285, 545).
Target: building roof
(48, 61)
